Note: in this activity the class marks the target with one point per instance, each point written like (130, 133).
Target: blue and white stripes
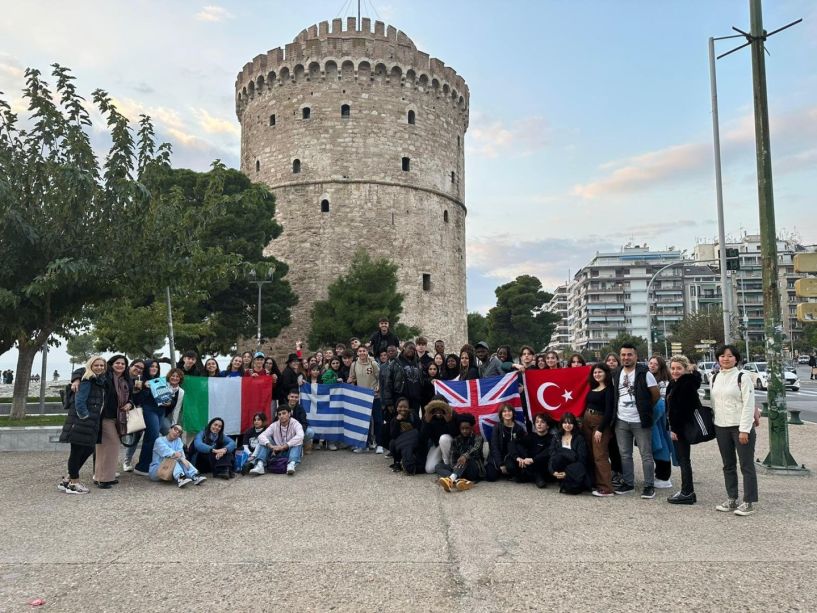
(339, 412)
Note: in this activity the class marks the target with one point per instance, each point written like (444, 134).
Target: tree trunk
(25, 359)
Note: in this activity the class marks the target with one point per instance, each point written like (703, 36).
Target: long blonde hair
(88, 371)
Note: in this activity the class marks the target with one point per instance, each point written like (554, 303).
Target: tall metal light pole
(260, 282)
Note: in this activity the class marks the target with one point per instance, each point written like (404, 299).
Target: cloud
(142, 88)
(792, 133)
(520, 138)
(213, 13)
(216, 125)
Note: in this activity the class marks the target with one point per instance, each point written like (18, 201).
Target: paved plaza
(345, 534)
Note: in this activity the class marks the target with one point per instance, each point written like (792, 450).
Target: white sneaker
(75, 488)
(359, 450)
(661, 484)
(185, 481)
(333, 447)
(199, 479)
(259, 469)
(745, 508)
(291, 468)
(379, 450)
(141, 473)
(127, 467)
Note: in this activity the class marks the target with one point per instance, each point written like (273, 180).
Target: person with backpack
(682, 400)
(733, 406)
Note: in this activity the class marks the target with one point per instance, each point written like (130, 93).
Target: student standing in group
(153, 415)
(365, 372)
(468, 369)
(663, 459)
(236, 367)
(597, 424)
(423, 356)
(118, 399)
(733, 406)
(682, 400)
(636, 395)
(613, 363)
(211, 368)
(383, 338)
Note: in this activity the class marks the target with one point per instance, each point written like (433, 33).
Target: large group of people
(653, 406)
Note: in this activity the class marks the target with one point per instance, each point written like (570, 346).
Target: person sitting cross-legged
(283, 438)
(171, 446)
(466, 453)
(213, 451)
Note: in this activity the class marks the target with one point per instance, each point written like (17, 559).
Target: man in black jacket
(636, 392)
(405, 379)
(290, 377)
(383, 338)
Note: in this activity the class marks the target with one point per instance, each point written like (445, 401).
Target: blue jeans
(309, 435)
(153, 422)
(293, 454)
(626, 433)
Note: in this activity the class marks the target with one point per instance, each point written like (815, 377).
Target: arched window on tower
(306, 112)
(257, 166)
(406, 164)
(411, 117)
(345, 111)
(324, 206)
(296, 166)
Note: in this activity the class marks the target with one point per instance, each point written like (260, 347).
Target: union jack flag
(482, 399)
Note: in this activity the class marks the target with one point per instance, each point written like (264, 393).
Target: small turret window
(306, 112)
(324, 206)
(296, 166)
(272, 119)
(426, 282)
(257, 166)
(445, 216)
(411, 117)
(406, 164)
(345, 111)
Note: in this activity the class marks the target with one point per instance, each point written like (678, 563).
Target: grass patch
(32, 420)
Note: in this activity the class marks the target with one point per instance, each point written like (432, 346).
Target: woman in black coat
(568, 457)
(506, 439)
(82, 428)
(682, 399)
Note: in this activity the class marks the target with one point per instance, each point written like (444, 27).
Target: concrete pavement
(345, 534)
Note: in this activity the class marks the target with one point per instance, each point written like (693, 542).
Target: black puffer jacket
(86, 432)
(682, 400)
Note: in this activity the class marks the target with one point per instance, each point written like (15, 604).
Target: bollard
(765, 411)
(794, 418)
(707, 394)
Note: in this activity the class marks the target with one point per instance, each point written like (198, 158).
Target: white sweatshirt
(733, 406)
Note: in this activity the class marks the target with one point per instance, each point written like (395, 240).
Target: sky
(590, 122)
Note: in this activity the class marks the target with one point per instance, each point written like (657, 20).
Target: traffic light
(732, 259)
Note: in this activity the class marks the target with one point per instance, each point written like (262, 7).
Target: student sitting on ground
(283, 439)
(299, 414)
(213, 451)
(505, 438)
(534, 464)
(171, 446)
(404, 434)
(469, 465)
(438, 431)
(568, 457)
(249, 438)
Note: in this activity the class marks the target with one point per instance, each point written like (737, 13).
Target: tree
(477, 328)
(614, 346)
(696, 327)
(518, 317)
(80, 347)
(357, 300)
(807, 342)
(61, 213)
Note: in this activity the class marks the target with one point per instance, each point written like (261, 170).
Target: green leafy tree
(518, 317)
(807, 341)
(614, 346)
(477, 328)
(696, 327)
(80, 347)
(357, 300)
(62, 211)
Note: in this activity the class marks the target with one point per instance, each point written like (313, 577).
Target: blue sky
(590, 120)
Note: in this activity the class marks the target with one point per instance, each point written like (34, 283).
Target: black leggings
(78, 456)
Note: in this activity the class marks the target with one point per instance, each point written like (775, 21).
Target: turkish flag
(557, 391)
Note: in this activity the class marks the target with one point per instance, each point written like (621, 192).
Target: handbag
(701, 428)
(277, 465)
(165, 472)
(136, 420)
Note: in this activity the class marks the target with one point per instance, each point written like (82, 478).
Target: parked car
(760, 376)
(705, 368)
(803, 359)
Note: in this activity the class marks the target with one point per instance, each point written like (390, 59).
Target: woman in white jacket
(733, 405)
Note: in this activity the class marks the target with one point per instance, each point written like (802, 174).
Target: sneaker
(291, 468)
(199, 479)
(725, 507)
(601, 494)
(63, 484)
(75, 488)
(446, 483)
(245, 470)
(661, 484)
(372, 446)
(359, 450)
(379, 450)
(388, 454)
(681, 498)
(332, 447)
(127, 467)
(624, 489)
(541, 482)
(745, 509)
(141, 473)
(463, 485)
(185, 481)
(259, 468)
(648, 493)
(616, 479)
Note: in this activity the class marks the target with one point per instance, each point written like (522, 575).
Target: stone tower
(360, 137)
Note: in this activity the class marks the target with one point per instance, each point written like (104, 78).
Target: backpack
(715, 374)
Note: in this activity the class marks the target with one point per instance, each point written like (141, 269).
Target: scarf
(122, 389)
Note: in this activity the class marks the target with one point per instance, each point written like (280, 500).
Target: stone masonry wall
(353, 165)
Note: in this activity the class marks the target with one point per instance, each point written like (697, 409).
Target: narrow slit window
(257, 166)
(345, 111)
(272, 119)
(306, 112)
(453, 177)
(324, 206)
(445, 216)
(296, 166)
(411, 117)
(426, 282)
(406, 164)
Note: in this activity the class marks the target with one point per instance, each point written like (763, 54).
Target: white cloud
(215, 125)
(213, 13)
(520, 138)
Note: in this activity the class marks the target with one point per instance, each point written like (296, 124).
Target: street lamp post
(260, 282)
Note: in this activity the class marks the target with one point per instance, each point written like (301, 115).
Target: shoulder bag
(165, 472)
(136, 420)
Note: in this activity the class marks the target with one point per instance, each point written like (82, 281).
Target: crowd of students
(629, 404)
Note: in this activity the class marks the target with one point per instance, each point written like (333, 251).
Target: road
(805, 400)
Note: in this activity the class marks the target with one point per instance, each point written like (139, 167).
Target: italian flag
(233, 399)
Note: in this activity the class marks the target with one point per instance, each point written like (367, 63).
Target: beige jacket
(733, 406)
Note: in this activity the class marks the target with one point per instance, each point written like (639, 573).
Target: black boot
(681, 498)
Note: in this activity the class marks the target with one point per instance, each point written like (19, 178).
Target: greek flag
(339, 412)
